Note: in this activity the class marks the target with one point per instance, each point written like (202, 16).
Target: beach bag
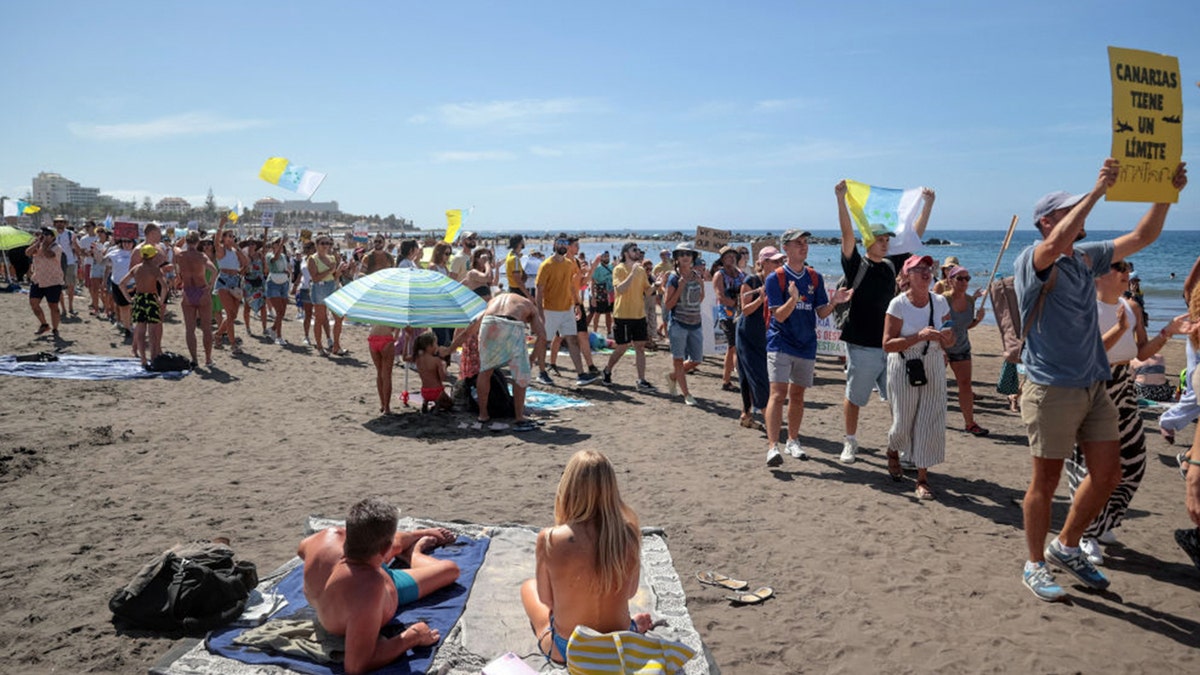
(169, 362)
(500, 400)
(1003, 295)
(590, 652)
(1009, 383)
(196, 586)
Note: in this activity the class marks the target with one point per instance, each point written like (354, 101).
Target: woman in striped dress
(911, 332)
(1124, 337)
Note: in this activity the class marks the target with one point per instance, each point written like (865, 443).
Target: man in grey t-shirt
(1064, 399)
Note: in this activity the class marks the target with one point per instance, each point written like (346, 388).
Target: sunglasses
(1122, 266)
(962, 278)
(922, 270)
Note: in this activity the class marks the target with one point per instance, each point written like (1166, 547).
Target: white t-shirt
(531, 265)
(64, 240)
(459, 264)
(85, 244)
(916, 318)
(120, 258)
(1126, 347)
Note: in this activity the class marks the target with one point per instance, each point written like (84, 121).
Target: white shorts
(562, 322)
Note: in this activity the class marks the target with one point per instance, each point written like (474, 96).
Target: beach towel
(493, 621)
(77, 367)
(440, 610)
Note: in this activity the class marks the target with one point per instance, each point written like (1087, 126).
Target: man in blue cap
(1064, 400)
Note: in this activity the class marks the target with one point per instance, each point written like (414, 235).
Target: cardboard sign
(268, 218)
(758, 245)
(125, 230)
(708, 239)
(1147, 125)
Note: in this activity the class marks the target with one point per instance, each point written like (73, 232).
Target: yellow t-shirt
(512, 271)
(556, 284)
(665, 266)
(630, 304)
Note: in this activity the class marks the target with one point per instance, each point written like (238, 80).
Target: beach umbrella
(11, 237)
(407, 298)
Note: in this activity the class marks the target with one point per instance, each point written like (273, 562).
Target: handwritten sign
(1147, 125)
(125, 230)
(708, 239)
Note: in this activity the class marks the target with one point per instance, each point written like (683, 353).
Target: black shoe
(592, 370)
(1189, 541)
(607, 375)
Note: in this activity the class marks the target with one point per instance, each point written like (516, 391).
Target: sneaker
(544, 378)
(773, 456)
(794, 449)
(592, 370)
(1108, 538)
(644, 385)
(672, 385)
(1042, 584)
(1189, 541)
(606, 376)
(1077, 565)
(1182, 460)
(587, 379)
(307, 342)
(849, 450)
(689, 400)
(1091, 550)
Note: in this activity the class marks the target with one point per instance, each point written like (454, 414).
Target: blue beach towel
(440, 610)
(73, 367)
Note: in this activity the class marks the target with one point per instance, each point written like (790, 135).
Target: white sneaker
(689, 400)
(1091, 550)
(672, 385)
(1108, 538)
(773, 456)
(849, 450)
(794, 449)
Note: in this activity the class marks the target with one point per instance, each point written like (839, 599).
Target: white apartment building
(51, 190)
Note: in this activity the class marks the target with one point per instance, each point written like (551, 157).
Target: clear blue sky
(585, 115)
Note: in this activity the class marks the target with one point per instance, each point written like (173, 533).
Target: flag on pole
(108, 222)
(889, 209)
(454, 221)
(27, 208)
(279, 171)
(236, 212)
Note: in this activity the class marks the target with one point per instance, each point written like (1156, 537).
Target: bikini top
(229, 261)
(1151, 369)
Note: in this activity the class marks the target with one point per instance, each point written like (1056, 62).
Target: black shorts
(117, 296)
(961, 356)
(629, 330)
(52, 294)
(600, 303)
(581, 323)
(730, 328)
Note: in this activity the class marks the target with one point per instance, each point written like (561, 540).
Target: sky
(585, 115)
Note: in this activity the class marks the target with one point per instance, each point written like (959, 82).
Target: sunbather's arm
(367, 651)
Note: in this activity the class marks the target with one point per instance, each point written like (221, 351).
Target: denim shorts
(322, 290)
(687, 342)
(275, 290)
(866, 367)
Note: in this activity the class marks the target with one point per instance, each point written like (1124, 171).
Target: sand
(97, 477)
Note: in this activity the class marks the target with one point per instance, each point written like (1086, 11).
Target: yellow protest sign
(1147, 125)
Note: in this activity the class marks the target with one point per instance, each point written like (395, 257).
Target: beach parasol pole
(996, 268)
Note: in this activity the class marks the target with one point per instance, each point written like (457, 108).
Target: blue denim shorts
(687, 342)
(322, 290)
(866, 368)
(275, 290)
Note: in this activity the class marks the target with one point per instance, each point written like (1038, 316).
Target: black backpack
(169, 362)
(195, 586)
(500, 400)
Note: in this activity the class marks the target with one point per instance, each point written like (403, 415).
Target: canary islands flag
(27, 208)
(878, 209)
(454, 221)
(279, 171)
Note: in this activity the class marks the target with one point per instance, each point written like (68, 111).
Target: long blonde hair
(588, 494)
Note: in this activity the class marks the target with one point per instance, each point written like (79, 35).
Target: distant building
(173, 205)
(51, 190)
(268, 204)
(294, 205)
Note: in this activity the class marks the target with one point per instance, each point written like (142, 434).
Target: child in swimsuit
(432, 370)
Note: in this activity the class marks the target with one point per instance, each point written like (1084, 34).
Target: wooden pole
(996, 268)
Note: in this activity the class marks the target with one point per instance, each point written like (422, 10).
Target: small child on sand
(432, 370)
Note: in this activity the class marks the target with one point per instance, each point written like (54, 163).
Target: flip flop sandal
(756, 598)
(710, 578)
(923, 492)
(524, 425)
(976, 430)
(893, 465)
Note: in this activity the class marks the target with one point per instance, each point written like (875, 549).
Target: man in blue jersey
(796, 295)
(1065, 400)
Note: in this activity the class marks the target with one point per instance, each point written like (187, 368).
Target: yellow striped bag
(626, 652)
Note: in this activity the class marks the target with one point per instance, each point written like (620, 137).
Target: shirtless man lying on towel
(348, 583)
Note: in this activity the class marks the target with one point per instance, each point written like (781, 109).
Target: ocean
(1172, 254)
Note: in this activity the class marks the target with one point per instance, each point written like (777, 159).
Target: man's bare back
(517, 307)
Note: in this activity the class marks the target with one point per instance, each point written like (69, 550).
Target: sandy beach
(97, 477)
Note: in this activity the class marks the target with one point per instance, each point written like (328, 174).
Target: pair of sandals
(748, 422)
(743, 597)
(896, 471)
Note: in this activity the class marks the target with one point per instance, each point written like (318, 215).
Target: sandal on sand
(755, 598)
(711, 578)
(923, 491)
(893, 465)
(976, 430)
(1168, 436)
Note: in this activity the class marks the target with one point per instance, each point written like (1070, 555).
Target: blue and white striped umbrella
(407, 298)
